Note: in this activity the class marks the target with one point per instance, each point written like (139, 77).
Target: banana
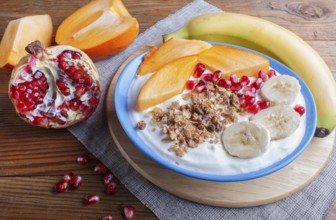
(281, 89)
(281, 121)
(277, 42)
(245, 139)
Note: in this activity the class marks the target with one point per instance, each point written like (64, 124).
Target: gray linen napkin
(313, 202)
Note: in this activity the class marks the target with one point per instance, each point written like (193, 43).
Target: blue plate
(122, 110)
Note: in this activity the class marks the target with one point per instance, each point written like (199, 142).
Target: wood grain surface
(33, 159)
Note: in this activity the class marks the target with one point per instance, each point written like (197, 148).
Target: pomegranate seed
(61, 84)
(235, 87)
(71, 71)
(77, 75)
(75, 182)
(38, 120)
(65, 91)
(67, 54)
(80, 90)
(190, 84)
(93, 101)
(262, 75)
(200, 87)
(271, 73)
(128, 211)
(249, 89)
(68, 176)
(107, 178)
(44, 86)
(263, 104)
(63, 65)
(207, 77)
(253, 109)
(37, 75)
(91, 199)
(74, 104)
(76, 55)
(224, 83)
(244, 80)
(216, 76)
(199, 70)
(21, 87)
(111, 188)
(242, 102)
(108, 217)
(250, 100)
(100, 169)
(234, 79)
(61, 58)
(257, 83)
(64, 113)
(31, 107)
(300, 109)
(88, 80)
(61, 186)
(83, 159)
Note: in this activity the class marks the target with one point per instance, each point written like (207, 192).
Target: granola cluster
(203, 118)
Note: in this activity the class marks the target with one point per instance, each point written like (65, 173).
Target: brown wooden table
(33, 159)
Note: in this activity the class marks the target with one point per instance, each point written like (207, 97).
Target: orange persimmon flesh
(233, 60)
(167, 82)
(171, 50)
(19, 33)
(99, 28)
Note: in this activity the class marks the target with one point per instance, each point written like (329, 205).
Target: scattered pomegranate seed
(111, 188)
(91, 199)
(108, 217)
(250, 89)
(190, 84)
(257, 83)
(100, 169)
(224, 83)
(75, 182)
(271, 73)
(107, 178)
(128, 211)
(83, 159)
(262, 75)
(207, 77)
(68, 176)
(263, 104)
(199, 70)
(235, 87)
(253, 109)
(234, 79)
(216, 76)
(200, 87)
(61, 186)
(244, 80)
(300, 109)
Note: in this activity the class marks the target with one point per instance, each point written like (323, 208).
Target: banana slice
(281, 89)
(245, 139)
(281, 121)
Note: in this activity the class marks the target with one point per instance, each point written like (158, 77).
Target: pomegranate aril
(75, 182)
(61, 58)
(234, 79)
(37, 120)
(108, 217)
(80, 90)
(216, 76)
(83, 159)
(199, 70)
(93, 101)
(262, 75)
(63, 65)
(235, 87)
(37, 75)
(68, 176)
(224, 83)
(300, 109)
(61, 84)
(107, 178)
(253, 109)
(88, 80)
(21, 87)
(207, 77)
(31, 107)
(65, 91)
(76, 55)
(100, 169)
(271, 73)
(263, 104)
(111, 188)
(244, 80)
(200, 87)
(128, 211)
(67, 54)
(91, 199)
(190, 84)
(61, 186)
(257, 83)
(74, 104)
(44, 86)
(77, 75)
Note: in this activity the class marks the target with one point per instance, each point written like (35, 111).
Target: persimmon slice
(167, 82)
(19, 33)
(172, 49)
(99, 28)
(233, 60)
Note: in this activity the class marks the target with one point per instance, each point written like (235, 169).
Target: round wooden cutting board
(225, 194)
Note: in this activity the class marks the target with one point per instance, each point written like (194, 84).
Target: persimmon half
(19, 33)
(99, 28)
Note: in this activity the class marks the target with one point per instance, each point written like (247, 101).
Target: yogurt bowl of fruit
(214, 111)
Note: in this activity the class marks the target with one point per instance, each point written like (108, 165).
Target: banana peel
(283, 45)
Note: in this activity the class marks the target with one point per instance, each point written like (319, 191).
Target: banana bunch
(277, 42)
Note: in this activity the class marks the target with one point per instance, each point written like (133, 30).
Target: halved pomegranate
(54, 87)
